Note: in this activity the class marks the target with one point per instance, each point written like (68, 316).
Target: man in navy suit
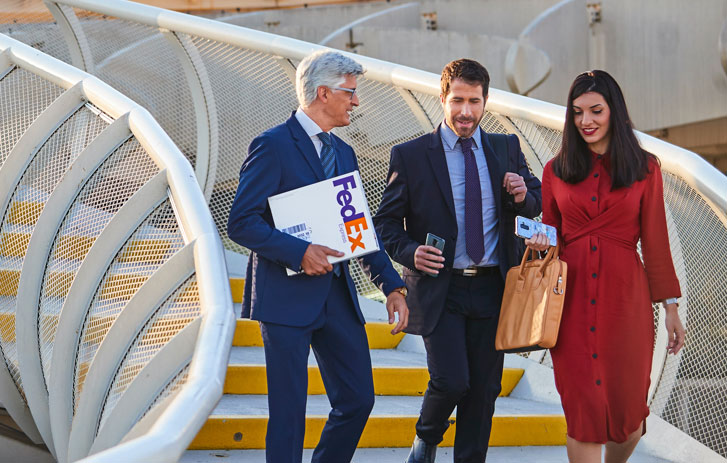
(320, 308)
(465, 186)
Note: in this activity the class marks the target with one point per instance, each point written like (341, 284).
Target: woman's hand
(674, 329)
(539, 242)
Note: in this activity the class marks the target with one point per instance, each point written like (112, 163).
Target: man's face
(340, 103)
(463, 107)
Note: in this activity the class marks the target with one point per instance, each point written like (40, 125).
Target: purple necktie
(473, 232)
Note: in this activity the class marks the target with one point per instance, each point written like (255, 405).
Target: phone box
(333, 213)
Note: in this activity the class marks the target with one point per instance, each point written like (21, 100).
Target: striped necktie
(328, 155)
(328, 160)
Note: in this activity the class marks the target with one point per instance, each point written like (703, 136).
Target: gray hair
(322, 68)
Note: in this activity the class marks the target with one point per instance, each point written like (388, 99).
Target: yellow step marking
(147, 251)
(247, 334)
(14, 244)
(25, 212)
(248, 432)
(401, 381)
(237, 286)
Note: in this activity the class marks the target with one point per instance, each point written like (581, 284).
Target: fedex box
(332, 213)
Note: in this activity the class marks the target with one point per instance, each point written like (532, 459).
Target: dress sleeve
(551, 213)
(655, 249)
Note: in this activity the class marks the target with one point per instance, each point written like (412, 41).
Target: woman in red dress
(603, 193)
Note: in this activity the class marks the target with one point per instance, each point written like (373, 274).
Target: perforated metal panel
(180, 309)
(112, 220)
(121, 175)
(23, 96)
(40, 31)
(139, 62)
(149, 247)
(692, 393)
(26, 205)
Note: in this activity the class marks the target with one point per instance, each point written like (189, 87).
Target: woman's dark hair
(629, 162)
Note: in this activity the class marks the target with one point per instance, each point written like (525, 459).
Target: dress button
(593, 302)
(593, 198)
(594, 248)
(595, 175)
(593, 328)
(598, 382)
(595, 356)
(599, 156)
(594, 275)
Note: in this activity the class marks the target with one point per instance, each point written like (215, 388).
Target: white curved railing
(370, 18)
(116, 312)
(250, 74)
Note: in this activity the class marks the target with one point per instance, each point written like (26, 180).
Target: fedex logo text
(354, 222)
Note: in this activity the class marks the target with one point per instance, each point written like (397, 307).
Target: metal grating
(142, 64)
(39, 30)
(172, 388)
(23, 96)
(260, 85)
(178, 311)
(152, 244)
(692, 392)
(37, 183)
(116, 180)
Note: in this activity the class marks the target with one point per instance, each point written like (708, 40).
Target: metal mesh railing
(241, 83)
(96, 201)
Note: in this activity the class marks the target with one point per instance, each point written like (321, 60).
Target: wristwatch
(402, 290)
(671, 300)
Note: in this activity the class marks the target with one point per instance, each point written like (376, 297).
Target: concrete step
(525, 454)
(240, 421)
(395, 373)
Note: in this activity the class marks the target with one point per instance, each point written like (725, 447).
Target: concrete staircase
(523, 429)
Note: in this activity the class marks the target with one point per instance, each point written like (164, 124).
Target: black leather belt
(475, 271)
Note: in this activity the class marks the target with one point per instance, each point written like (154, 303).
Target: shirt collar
(310, 127)
(449, 138)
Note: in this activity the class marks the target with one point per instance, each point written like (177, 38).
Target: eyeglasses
(352, 91)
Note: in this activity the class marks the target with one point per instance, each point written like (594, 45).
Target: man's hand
(515, 185)
(428, 259)
(315, 259)
(674, 329)
(539, 242)
(396, 302)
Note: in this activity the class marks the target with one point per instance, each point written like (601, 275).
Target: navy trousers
(341, 348)
(465, 369)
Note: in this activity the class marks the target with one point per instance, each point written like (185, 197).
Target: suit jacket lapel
(305, 145)
(438, 161)
(494, 169)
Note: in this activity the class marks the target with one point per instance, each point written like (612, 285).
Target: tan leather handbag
(532, 304)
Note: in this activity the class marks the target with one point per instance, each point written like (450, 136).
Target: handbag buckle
(559, 288)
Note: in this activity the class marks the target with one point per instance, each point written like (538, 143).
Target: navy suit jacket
(282, 159)
(418, 200)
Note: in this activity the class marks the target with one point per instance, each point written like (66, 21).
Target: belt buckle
(469, 271)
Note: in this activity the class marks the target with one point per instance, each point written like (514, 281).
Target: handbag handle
(552, 252)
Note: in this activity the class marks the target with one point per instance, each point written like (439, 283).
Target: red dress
(602, 360)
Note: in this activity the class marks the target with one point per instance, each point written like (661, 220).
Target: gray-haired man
(318, 309)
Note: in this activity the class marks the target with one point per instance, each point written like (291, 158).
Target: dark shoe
(421, 452)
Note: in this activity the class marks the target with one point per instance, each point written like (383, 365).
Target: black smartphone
(437, 242)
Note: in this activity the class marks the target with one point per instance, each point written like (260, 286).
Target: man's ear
(322, 93)
(441, 98)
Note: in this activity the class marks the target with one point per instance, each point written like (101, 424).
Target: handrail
(704, 178)
(179, 422)
(327, 39)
